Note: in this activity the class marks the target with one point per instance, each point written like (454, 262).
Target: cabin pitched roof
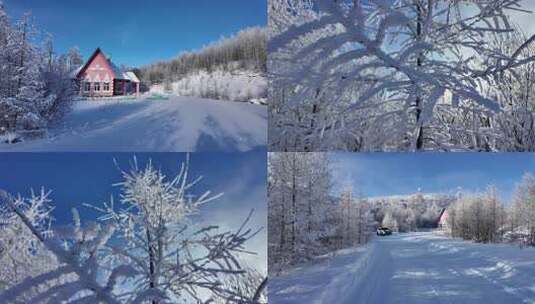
(118, 73)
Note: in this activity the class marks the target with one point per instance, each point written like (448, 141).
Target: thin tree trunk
(294, 204)
(418, 102)
(21, 62)
(152, 283)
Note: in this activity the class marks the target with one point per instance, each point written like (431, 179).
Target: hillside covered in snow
(184, 124)
(238, 85)
(233, 68)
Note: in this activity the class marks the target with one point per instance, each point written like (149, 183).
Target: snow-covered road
(416, 268)
(177, 124)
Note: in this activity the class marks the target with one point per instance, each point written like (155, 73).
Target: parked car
(383, 231)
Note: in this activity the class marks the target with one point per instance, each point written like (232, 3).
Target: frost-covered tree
(74, 277)
(299, 204)
(387, 75)
(411, 212)
(74, 59)
(523, 210)
(147, 250)
(305, 219)
(21, 253)
(35, 87)
(172, 259)
(232, 68)
(479, 217)
(354, 219)
(514, 89)
(245, 50)
(251, 287)
(390, 222)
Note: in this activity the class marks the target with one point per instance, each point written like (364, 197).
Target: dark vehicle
(383, 231)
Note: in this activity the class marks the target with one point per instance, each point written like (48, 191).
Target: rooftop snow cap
(132, 76)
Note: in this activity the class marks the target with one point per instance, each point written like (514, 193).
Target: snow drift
(177, 124)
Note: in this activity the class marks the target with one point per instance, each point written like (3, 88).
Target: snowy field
(416, 268)
(171, 124)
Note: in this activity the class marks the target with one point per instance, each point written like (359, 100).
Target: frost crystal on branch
(389, 75)
(144, 251)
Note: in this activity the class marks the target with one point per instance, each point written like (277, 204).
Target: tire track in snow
(375, 287)
(344, 285)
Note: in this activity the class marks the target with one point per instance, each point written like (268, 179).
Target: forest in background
(233, 68)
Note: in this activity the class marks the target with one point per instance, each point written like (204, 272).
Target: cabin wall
(99, 76)
(443, 221)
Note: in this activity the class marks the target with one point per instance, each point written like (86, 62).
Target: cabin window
(97, 86)
(106, 86)
(87, 86)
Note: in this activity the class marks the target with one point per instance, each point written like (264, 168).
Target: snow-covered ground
(171, 124)
(416, 268)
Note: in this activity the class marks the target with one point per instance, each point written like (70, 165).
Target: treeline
(246, 50)
(479, 217)
(241, 86)
(304, 220)
(35, 87)
(410, 213)
(483, 217)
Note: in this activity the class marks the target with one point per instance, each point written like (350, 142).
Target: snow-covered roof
(132, 76)
(119, 74)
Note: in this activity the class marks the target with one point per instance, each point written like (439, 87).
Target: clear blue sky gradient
(382, 174)
(138, 32)
(77, 178)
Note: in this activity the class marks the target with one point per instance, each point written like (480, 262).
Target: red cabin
(99, 77)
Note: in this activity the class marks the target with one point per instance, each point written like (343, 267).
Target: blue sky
(138, 32)
(77, 178)
(381, 174)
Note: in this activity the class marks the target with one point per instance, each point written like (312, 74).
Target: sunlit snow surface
(417, 268)
(175, 124)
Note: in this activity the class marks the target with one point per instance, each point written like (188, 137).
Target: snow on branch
(144, 250)
(404, 56)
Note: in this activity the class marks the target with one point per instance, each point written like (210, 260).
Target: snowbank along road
(413, 268)
(179, 124)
